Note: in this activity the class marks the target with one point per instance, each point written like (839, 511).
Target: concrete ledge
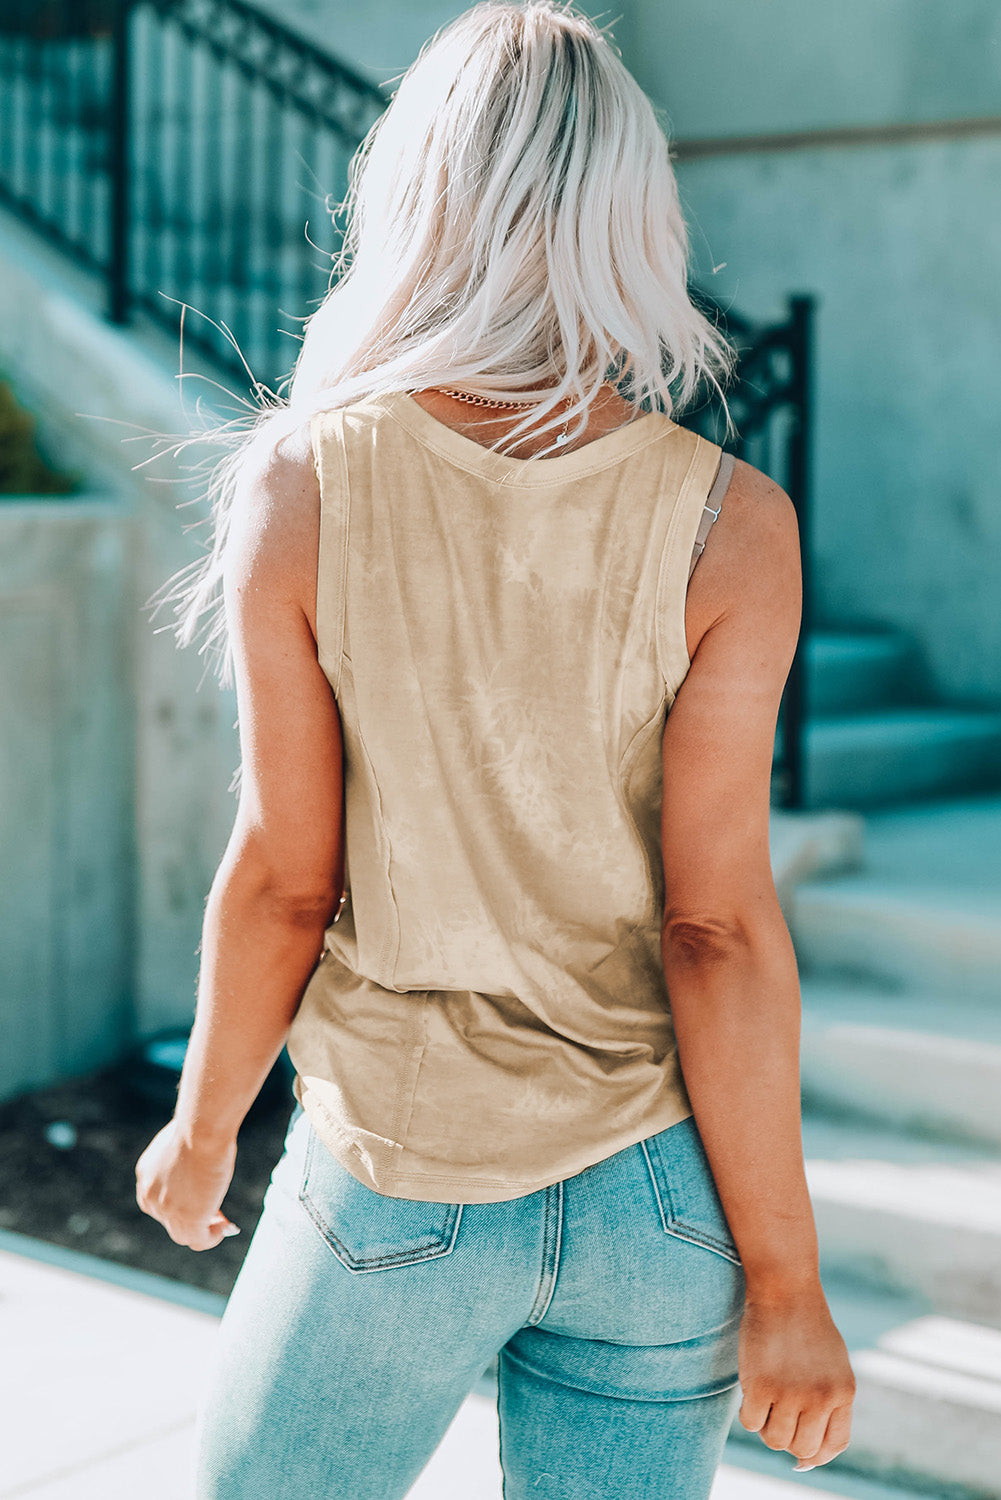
(94, 388)
(932, 1228)
(911, 1079)
(916, 936)
(127, 1277)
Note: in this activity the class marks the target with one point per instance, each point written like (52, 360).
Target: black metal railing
(771, 403)
(187, 151)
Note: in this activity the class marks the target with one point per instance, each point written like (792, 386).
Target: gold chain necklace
(487, 401)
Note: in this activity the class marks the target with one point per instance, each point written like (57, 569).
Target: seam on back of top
(625, 768)
(667, 555)
(335, 510)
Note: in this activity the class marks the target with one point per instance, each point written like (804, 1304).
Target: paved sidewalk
(101, 1378)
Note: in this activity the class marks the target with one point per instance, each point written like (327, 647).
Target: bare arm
(281, 876)
(729, 961)
(728, 956)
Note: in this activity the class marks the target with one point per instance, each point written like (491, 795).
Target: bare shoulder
(757, 526)
(751, 563)
(276, 480)
(275, 519)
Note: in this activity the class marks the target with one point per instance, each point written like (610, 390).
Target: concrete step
(928, 1406)
(855, 671)
(932, 937)
(895, 754)
(932, 1227)
(920, 1061)
(951, 841)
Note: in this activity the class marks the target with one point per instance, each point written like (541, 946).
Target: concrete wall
(115, 756)
(724, 68)
(66, 787)
(381, 39)
(895, 240)
(900, 235)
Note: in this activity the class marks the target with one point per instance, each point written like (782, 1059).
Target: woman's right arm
(731, 970)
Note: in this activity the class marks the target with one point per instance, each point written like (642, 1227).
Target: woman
(508, 774)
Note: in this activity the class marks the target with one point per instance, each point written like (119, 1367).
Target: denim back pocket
(684, 1188)
(366, 1230)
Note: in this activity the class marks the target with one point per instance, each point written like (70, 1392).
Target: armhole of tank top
(713, 505)
(688, 516)
(330, 462)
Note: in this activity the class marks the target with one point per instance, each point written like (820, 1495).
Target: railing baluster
(72, 176)
(275, 243)
(186, 168)
(147, 136)
(242, 216)
(118, 267)
(306, 164)
(29, 174)
(797, 705)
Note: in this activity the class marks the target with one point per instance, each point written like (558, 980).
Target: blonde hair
(511, 216)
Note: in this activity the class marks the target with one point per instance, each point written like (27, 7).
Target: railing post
(801, 309)
(119, 208)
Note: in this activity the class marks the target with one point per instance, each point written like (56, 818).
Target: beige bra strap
(713, 506)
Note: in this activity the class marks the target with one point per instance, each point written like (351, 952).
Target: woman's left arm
(282, 874)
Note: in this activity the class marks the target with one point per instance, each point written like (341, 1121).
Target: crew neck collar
(596, 454)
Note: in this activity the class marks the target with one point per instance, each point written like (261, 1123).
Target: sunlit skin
(728, 955)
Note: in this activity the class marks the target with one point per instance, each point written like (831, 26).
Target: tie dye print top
(504, 638)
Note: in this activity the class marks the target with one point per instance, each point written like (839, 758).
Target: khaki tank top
(504, 638)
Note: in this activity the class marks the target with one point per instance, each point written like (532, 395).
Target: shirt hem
(415, 1184)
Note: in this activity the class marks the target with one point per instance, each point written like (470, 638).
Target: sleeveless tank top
(504, 638)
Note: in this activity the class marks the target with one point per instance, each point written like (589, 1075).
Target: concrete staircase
(901, 1069)
(874, 736)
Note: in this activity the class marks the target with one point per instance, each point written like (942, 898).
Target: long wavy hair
(512, 219)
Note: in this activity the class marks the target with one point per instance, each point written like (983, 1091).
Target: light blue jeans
(359, 1323)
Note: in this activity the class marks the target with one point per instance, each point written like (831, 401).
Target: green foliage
(23, 470)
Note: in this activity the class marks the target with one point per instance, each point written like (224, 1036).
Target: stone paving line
(100, 1382)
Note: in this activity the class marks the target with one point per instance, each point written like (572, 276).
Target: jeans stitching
(672, 1221)
(430, 1248)
(500, 1425)
(551, 1241)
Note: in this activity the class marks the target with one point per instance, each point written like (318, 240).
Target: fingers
(208, 1237)
(754, 1409)
(778, 1426)
(200, 1237)
(811, 1429)
(814, 1434)
(834, 1441)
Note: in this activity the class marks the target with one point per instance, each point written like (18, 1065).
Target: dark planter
(151, 1073)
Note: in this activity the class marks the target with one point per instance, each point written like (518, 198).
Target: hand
(182, 1186)
(797, 1381)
